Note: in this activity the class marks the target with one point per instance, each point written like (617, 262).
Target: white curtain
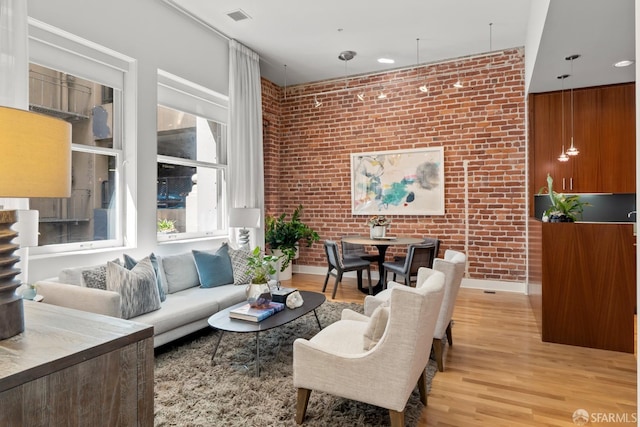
(14, 57)
(246, 168)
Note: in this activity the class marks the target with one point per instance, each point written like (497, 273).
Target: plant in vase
(284, 236)
(261, 267)
(563, 208)
(378, 225)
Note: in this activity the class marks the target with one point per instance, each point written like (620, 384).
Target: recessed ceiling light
(624, 63)
(386, 61)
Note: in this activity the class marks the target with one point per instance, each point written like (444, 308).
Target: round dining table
(382, 244)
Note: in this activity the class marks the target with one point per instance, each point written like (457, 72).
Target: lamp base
(11, 308)
(243, 239)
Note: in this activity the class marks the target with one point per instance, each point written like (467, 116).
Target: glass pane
(186, 136)
(90, 213)
(188, 199)
(87, 105)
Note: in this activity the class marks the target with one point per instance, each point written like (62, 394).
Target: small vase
(258, 295)
(377, 231)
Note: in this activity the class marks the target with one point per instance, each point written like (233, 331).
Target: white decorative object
(378, 231)
(294, 300)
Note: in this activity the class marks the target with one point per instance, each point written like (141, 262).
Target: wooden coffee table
(224, 323)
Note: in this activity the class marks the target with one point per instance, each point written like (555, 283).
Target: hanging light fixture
(360, 96)
(424, 88)
(458, 84)
(563, 156)
(285, 82)
(316, 103)
(572, 151)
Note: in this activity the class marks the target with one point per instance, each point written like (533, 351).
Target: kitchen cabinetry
(604, 132)
(588, 285)
(72, 368)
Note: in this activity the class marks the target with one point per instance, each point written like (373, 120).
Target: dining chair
(337, 266)
(357, 251)
(420, 255)
(426, 240)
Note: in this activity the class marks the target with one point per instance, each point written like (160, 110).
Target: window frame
(61, 51)
(179, 94)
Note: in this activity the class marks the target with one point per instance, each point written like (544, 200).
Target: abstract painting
(401, 182)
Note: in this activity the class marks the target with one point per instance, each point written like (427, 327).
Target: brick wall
(307, 154)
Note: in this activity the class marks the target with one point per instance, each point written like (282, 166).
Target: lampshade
(35, 155)
(35, 161)
(244, 217)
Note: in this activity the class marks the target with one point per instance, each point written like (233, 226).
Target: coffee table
(224, 323)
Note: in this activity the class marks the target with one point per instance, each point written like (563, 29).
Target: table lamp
(35, 161)
(245, 218)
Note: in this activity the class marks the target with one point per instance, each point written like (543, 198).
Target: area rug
(190, 391)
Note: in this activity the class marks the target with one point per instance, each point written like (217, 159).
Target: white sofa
(185, 310)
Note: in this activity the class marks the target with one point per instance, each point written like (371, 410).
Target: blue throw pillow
(214, 269)
(129, 263)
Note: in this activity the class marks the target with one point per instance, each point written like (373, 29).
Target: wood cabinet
(604, 132)
(588, 285)
(74, 368)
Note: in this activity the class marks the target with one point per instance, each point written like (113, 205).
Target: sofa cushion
(240, 264)
(375, 328)
(214, 269)
(95, 278)
(180, 272)
(130, 262)
(73, 275)
(137, 287)
(192, 305)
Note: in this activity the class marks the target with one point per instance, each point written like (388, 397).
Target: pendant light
(563, 157)
(572, 151)
(424, 88)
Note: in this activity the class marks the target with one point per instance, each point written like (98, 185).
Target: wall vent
(238, 15)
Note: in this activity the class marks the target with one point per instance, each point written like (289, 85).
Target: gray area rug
(189, 391)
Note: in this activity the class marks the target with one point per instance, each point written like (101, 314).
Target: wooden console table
(71, 367)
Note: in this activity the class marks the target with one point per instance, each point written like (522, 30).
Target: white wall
(157, 37)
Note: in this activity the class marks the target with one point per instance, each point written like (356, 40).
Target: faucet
(631, 213)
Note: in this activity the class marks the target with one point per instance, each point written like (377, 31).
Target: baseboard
(486, 285)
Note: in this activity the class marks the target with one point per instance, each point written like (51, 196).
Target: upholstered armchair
(372, 359)
(452, 266)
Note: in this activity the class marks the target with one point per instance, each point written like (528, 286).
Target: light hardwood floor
(499, 373)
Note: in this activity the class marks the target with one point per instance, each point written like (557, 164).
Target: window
(65, 82)
(192, 160)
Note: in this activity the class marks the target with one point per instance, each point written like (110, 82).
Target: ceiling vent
(238, 15)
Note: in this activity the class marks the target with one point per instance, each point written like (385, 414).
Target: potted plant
(166, 226)
(261, 267)
(563, 208)
(378, 226)
(284, 236)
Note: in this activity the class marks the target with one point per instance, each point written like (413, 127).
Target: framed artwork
(400, 182)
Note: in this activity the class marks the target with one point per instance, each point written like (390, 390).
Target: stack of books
(253, 314)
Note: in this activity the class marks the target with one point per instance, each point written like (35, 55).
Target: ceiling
(300, 41)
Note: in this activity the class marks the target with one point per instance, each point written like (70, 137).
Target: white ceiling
(307, 36)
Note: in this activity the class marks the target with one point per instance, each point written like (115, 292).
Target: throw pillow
(240, 265)
(95, 278)
(214, 269)
(137, 287)
(180, 272)
(130, 262)
(375, 328)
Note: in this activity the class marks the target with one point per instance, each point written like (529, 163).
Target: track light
(361, 96)
(458, 84)
(316, 103)
(382, 95)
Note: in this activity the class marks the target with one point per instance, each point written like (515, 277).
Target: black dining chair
(356, 251)
(420, 255)
(426, 240)
(337, 266)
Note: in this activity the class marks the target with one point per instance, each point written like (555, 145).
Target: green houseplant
(563, 208)
(283, 235)
(261, 266)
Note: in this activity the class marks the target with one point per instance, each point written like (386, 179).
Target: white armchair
(335, 361)
(452, 266)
